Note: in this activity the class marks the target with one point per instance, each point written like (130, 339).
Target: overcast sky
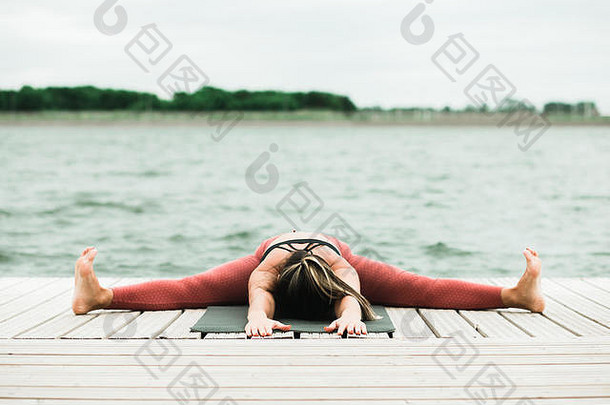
(549, 50)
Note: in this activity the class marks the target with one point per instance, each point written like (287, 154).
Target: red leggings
(380, 283)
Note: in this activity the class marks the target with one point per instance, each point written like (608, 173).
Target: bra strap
(311, 244)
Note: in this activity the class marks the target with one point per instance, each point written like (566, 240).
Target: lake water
(170, 201)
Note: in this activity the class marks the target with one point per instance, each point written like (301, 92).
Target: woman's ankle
(510, 297)
(106, 297)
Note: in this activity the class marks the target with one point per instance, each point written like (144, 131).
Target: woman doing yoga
(305, 275)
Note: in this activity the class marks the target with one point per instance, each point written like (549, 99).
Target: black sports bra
(311, 244)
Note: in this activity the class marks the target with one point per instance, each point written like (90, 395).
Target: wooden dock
(512, 357)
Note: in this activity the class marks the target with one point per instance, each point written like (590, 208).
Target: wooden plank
(599, 282)
(334, 335)
(303, 335)
(287, 376)
(181, 327)
(586, 290)
(573, 321)
(409, 323)
(369, 336)
(447, 323)
(7, 283)
(492, 324)
(340, 347)
(29, 286)
(503, 281)
(242, 335)
(276, 335)
(602, 400)
(285, 359)
(238, 394)
(577, 303)
(56, 327)
(148, 325)
(373, 376)
(390, 347)
(322, 336)
(537, 325)
(104, 325)
(35, 299)
(35, 316)
(463, 401)
(224, 336)
(224, 401)
(41, 321)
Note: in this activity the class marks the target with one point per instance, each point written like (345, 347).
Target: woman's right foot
(88, 293)
(527, 293)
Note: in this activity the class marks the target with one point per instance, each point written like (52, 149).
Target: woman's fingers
(341, 326)
(331, 327)
(357, 327)
(265, 328)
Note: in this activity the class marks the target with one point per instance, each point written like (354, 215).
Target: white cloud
(549, 50)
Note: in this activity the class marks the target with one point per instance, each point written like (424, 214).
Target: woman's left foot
(527, 293)
(88, 293)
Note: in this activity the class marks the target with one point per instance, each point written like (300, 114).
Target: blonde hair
(308, 288)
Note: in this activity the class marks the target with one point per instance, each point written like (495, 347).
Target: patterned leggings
(380, 283)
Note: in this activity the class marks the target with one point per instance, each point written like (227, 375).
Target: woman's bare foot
(88, 293)
(527, 294)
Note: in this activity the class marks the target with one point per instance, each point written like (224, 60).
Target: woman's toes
(532, 251)
(91, 254)
(87, 249)
(88, 257)
(84, 264)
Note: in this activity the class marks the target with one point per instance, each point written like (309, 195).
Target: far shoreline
(275, 118)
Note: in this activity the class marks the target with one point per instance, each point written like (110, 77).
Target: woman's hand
(351, 323)
(260, 326)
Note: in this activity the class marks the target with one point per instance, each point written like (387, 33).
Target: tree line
(87, 98)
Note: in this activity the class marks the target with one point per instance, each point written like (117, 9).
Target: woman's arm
(348, 305)
(262, 305)
(349, 314)
(260, 285)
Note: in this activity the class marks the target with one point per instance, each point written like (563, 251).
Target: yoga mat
(233, 319)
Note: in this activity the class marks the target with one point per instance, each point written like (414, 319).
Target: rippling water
(170, 201)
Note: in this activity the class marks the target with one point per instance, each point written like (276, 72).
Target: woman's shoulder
(300, 235)
(274, 257)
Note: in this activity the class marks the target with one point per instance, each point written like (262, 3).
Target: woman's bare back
(276, 257)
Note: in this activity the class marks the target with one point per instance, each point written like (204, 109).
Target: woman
(308, 276)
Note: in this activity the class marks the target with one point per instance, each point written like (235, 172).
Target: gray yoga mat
(233, 319)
